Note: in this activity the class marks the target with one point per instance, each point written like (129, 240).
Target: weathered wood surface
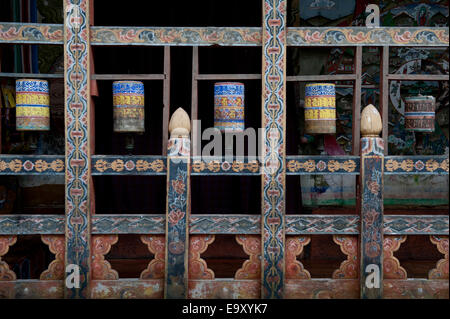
(274, 148)
(32, 289)
(78, 135)
(127, 289)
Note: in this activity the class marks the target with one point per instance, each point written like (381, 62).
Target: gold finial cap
(179, 124)
(371, 124)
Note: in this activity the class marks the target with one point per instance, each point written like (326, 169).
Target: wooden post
(77, 126)
(273, 149)
(177, 207)
(371, 181)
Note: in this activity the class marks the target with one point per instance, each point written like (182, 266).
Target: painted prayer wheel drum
(419, 113)
(229, 106)
(32, 105)
(128, 102)
(320, 108)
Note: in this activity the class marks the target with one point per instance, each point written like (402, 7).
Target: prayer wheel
(229, 106)
(128, 101)
(419, 113)
(32, 105)
(320, 108)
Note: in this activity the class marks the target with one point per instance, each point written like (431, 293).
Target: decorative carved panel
(6, 274)
(198, 269)
(441, 270)
(391, 265)
(101, 268)
(251, 268)
(294, 247)
(55, 270)
(349, 268)
(156, 245)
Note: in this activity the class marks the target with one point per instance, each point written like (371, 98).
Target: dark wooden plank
(371, 238)
(384, 95)
(32, 165)
(418, 77)
(329, 77)
(274, 124)
(166, 100)
(77, 105)
(194, 96)
(357, 101)
(228, 77)
(128, 76)
(32, 289)
(416, 289)
(31, 75)
(322, 289)
(123, 288)
(177, 219)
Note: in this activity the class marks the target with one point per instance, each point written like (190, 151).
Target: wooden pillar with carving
(177, 206)
(371, 181)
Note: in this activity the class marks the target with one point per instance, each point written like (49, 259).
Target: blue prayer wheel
(128, 102)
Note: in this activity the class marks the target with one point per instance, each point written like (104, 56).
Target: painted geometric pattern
(77, 95)
(273, 122)
(136, 165)
(417, 225)
(31, 224)
(32, 164)
(416, 165)
(305, 165)
(230, 224)
(130, 224)
(222, 167)
(322, 224)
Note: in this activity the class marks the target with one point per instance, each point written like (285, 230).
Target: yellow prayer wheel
(32, 105)
(320, 108)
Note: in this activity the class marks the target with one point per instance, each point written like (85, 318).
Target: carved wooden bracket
(6, 274)
(101, 268)
(349, 268)
(56, 244)
(391, 265)
(294, 247)
(156, 245)
(251, 268)
(198, 269)
(441, 270)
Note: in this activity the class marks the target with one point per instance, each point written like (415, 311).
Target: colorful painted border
(77, 97)
(308, 165)
(32, 165)
(415, 225)
(128, 165)
(382, 36)
(219, 166)
(128, 224)
(274, 148)
(38, 33)
(416, 165)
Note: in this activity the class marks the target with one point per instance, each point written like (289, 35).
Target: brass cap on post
(180, 124)
(371, 124)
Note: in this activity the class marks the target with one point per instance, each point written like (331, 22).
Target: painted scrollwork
(156, 245)
(349, 267)
(441, 270)
(56, 244)
(6, 274)
(251, 268)
(101, 268)
(391, 265)
(294, 247)
(198, 269)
